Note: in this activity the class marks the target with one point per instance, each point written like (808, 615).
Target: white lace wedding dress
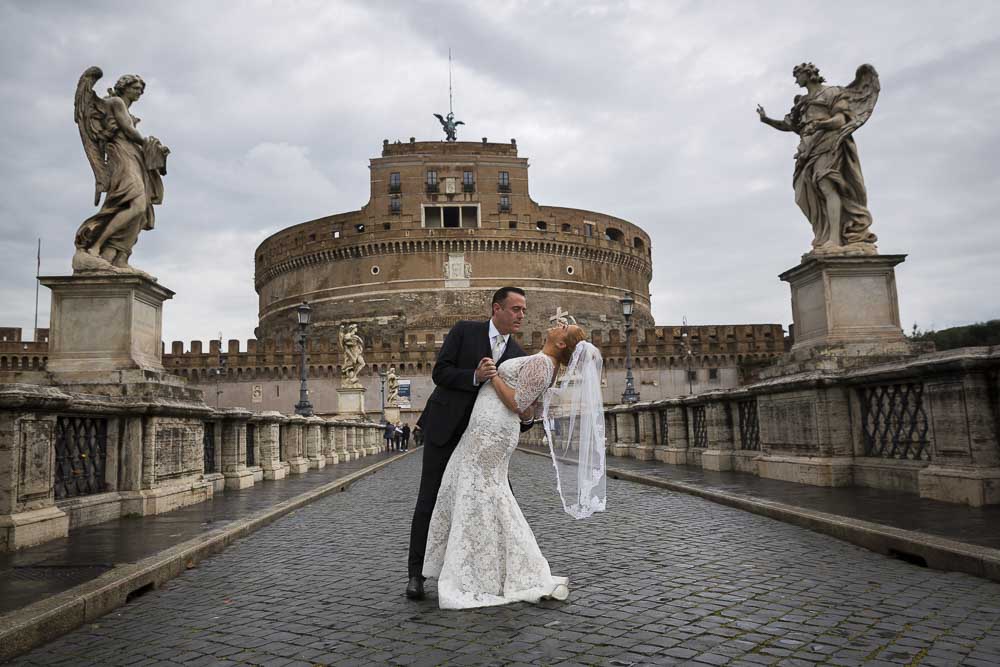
(479, 544)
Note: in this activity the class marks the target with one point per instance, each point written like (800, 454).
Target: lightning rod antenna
(450, 109)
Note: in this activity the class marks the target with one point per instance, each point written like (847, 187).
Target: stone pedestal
(966, 484)
(672, 455)
(294, 439)
(314, 442)
(235, 473)
(26, 529)
(350, 401)
(846, 302)
(392, 414)
(102, 323)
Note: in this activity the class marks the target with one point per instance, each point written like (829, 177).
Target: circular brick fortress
(446, 224)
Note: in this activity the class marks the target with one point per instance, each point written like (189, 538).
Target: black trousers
(435, 461)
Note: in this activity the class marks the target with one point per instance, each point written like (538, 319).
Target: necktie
(497, 347)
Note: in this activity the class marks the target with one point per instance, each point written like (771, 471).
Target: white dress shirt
(494, 332)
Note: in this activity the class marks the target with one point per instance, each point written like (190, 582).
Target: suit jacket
(450, 404)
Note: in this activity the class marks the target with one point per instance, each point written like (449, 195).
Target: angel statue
(391, 387)
(127, 166)
(351, 349)
(449, 125)
(829, 187)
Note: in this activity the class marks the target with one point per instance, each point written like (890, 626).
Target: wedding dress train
(479, 544)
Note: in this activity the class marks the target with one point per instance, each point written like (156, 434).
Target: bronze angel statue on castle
(829, 187)
(127, 167)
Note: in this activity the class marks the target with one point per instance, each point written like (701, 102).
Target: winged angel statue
(127, 166)
(449, 125)
(829, 187)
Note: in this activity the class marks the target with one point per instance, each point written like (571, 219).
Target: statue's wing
(439, 117)
(459, 122)
(861, 96)
(89, 111)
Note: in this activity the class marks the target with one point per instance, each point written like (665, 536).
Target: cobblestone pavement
(661, 578)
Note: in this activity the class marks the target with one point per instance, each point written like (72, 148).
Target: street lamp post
(382, 375)
(689, 361)
(630, 395)
(303, 407)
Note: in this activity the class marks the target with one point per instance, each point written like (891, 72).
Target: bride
(479, 544)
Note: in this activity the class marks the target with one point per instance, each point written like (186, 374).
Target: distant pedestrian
(406, 437)
(418, 436)
(389, 433)
(397, 437)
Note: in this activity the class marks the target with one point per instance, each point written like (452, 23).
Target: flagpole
(38, 273)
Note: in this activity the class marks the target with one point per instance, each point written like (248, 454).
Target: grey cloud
(641, 110)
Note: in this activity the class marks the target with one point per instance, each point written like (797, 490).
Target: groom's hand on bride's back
(485, 370)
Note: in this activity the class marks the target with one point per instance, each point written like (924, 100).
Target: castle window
(612, 234)
(468, 184)
(588, 230)
(395, 205)
(567, 228)
(512, 224)
(386, 226)
(504, 181)
(432, 181)
(312, 237)
(504, 203)
(570, 270)
(375, 270)
(336, 233)
(466, 217)
(359, 228)
(637, 243)
(713, 373)
(395, 185)
(541, 226)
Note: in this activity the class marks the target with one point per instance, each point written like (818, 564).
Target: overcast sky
(642, 110)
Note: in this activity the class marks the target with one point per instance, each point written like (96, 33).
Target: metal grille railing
(700, 426)
(749, 428)
(894, 421)
(251, 437)
(81, 456)
(209, 447)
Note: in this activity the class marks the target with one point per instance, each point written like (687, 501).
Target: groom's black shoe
(415, 589)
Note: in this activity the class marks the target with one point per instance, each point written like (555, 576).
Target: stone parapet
(928, 424)
(70, 459)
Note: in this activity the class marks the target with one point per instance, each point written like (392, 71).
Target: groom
(468, 358)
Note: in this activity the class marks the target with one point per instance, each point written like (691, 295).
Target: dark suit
(446, 417)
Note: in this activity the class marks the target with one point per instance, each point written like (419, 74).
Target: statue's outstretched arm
(782, 125)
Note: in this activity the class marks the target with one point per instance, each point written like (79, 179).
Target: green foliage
(970, 335)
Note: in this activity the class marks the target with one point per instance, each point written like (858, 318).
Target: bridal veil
(573, 415)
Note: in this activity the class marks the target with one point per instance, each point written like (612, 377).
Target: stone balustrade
(929, 425)
(69, 460)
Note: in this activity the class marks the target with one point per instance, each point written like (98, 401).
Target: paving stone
(660, 578)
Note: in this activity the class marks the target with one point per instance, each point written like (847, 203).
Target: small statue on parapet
(391, 388)
(127, 166)
(829, 187)
(351, 350)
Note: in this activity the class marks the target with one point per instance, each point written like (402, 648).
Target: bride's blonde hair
(574, 334)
